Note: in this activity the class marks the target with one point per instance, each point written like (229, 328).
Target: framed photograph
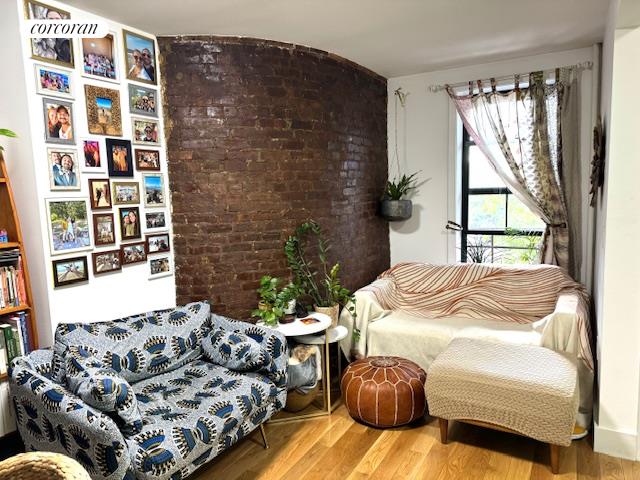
(58, 121)
(145, 132)
(52, 50)
(148, 160)
(143, 100)
(125, 193)
(129, 218)
(68, 271)
(160, 266)
(119, 160)
(153, 189)
(53, 82)
(68, 222)
(155, 221)
(99, 58)
(133, 253)
(104, 231)
(140, 55)
(63, 169)
(105, 262)
(103, 110)
(99, 193)
(93, 158)
(158, 243)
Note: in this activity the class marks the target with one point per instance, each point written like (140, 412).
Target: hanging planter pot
(396, 210)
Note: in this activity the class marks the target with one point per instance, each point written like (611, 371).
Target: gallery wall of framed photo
(99, 167)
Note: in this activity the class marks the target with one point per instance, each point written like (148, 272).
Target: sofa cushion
(140, 346)
(192, 413)
(236, 351)
(103, 389)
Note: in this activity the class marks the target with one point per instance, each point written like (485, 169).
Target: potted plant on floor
(323, 284)
(394, 206)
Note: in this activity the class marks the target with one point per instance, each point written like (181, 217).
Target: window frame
(467, 191)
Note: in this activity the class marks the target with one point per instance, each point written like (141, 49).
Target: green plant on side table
(323, 284)
(273, 302)
(393, 206)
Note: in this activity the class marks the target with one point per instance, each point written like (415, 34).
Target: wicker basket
(42, 466)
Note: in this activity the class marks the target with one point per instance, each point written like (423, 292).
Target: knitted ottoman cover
(384, 391)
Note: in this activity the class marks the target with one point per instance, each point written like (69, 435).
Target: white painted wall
(617, 293)
(428, 137)
(101, 298)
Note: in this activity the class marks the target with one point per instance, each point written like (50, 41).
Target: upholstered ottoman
(384, 391)
(521, 389)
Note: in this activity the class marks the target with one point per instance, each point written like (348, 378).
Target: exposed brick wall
(261, 136)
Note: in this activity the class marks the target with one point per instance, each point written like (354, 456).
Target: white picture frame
(139, 128)
(152, 191)
(153, 216)
(153, 262)
(40, 69)
(84, 155)
(59, 181)
(114, 55)
(62, 232)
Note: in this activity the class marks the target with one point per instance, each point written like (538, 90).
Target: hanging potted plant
(394, 206)
(323, 284)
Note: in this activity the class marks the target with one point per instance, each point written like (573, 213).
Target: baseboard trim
(615, 443)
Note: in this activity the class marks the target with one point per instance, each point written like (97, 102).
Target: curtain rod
(578, 66)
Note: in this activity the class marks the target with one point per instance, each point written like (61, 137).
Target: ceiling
(390, 37)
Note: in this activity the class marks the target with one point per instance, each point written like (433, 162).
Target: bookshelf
(9, 221)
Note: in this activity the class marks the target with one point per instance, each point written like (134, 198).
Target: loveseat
(152, 396)
(414, 310)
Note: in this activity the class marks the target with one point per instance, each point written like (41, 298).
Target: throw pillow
(236, 351)
(103, 389)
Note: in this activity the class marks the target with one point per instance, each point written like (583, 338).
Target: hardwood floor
(337, 447)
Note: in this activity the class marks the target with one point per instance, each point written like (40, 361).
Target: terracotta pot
(332, 312)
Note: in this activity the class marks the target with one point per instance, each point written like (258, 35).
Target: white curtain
(529, 135)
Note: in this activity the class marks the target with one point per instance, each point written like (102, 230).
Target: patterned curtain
(520, 132)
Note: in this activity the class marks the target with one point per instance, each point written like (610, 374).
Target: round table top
(336, 334)
(298, 328)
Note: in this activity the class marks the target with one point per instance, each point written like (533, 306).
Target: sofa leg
(555, 457)
(444, 429)
(264, 436)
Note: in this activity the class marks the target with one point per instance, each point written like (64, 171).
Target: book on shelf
(19, 322)
(12, 286)
(4, 362)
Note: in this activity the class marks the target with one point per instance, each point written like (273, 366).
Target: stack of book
(14, 338)
(12, 289)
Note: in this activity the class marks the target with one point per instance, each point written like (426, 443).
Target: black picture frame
(115, 166)
(56, 278)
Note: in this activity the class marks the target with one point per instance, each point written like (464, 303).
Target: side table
(303, 333)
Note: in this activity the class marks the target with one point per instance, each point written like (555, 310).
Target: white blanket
(397, 332)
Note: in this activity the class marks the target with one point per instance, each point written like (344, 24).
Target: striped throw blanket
(521, 294)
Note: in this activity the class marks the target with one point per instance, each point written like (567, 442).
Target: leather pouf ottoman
(384, 391)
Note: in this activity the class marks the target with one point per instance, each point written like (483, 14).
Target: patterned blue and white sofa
(152, 396)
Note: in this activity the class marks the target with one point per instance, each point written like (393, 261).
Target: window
(496, 226)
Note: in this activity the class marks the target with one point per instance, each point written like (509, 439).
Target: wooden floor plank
(337, 448)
